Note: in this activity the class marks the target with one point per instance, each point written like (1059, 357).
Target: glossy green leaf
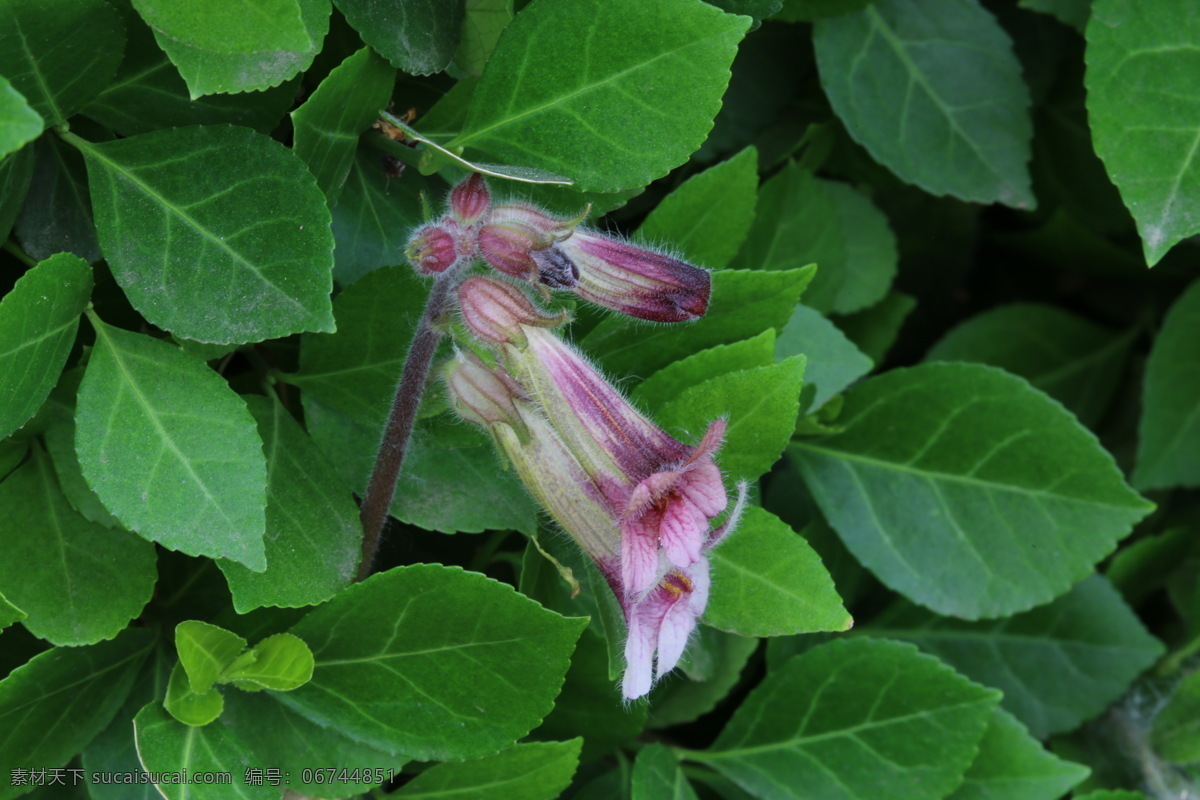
(967, 490)
(852, 720)
(282, 662)
(483, 22)
(760, 406)
(1176, 732)
(170, 449)
(832, 362)
(1074, 361)
(1012, 765)
(51, 707)
(60, 61)
(19, 123)
(78, 582)
(313, 537)
(57, 214)
(711, 667)
(417, 36)
(708, 217)
(405, 651)
(533, 771)
(206, 651)
(171, 749)
(343, 106)
(38, 321)
(744, 303)
(934, 92)
(191, 707)
(668, 382)
(207, 71)
(658, 776)
(771, 583)
(874, 330)
(235, 26)
(593, 90)
(243, 255)
(1144, 109)
(1058, 665)
(1169, 432)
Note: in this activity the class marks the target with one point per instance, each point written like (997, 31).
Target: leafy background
(972, 428)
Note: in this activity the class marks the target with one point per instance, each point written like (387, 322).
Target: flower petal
(639, 552)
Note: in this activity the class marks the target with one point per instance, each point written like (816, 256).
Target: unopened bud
(484, 395)
(469, 200)
(497, 312)
(432, 249)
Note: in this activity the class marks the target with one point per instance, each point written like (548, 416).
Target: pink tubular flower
(661, 623)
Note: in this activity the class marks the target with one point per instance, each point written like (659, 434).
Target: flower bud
(515, 231)
(432, 249)
(499, 313)
(469, 200)
(483, 395)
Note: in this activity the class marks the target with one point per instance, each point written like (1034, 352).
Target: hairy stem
(398, 431)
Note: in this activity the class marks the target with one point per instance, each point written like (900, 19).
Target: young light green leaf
(967, 490)
(19, 124)
(1096, 644)
(744, 303)
(416, 36)
(1176, 732)
(60, 61)
(343, 106)
(760, 406)
(832, 360)
(874, 330)
(441, 644)
(713, 665)
(708, 217)
(78, 582)
(235, 26)
(282, 662)
(170, 449)
(1144, 110)
(57, 215)
(208, 71)
(313, 538)
(1012, 765)
(1074, 361)
(934, 92)
(168, 748)
(771, 582)
(658, 776)
(206, 651)
(854, 720)
(612, 94)
(243, 255)
(483, 22)
(668, 382)
(38, 321)
(52, 706)
(1169, 432)
(189, 706)
(532, 771)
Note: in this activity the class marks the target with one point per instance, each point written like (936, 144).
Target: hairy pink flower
(659, 625)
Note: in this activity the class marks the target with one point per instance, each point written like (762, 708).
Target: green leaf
(78, 582)
(1058, 665)
(207, 71)
(19, 123)
(708, 217)
(60, 61)
(206, 651)
(170, 449)
(9, 613)
(483, 22)
(771, 583)
(811, 10)
(874, 330)
(343, 106)
(189, 706)
(832, 362)
(313, 537)
(934, 92)
(38, 321)
(713, 664)
(59, 437)
(282, 662)
(1169, 433)
(416, 36)
(1144, 110)
(851, 720)
(612, 94)
(1069, 12)
(170, 749)
(744, 303)
(871, 252)
(658, 776)
(1072, 360)
(1115, 794)
(55, 704)
(668, 382)
(533, 771)
(297, 747)
(16, 172)
(406, 651)
(1012, 765)
(243, 255)
(967, 490)
(234, 26)
(57, 215)
(1176, 732)
(760, 406)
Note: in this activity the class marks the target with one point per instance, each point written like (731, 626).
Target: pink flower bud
(500, 313)
(469, 200)
(515, 231)
(483, 395)
(433, 248)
